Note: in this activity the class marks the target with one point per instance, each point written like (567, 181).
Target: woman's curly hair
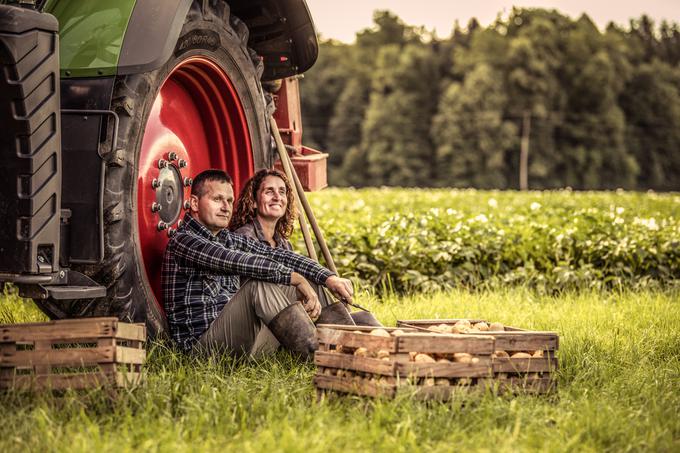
(246, 207)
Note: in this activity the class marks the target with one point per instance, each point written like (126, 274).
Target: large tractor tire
(204, 108)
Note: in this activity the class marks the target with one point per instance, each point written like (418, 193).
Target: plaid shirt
(201, 271)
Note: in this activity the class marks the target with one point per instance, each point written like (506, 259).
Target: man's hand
(310, 300)
(341, 287)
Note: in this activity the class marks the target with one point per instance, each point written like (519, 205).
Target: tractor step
(75, 292)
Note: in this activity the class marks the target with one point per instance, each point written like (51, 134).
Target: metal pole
(312, 220)
(288, 170)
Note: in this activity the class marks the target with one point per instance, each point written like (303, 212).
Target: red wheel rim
(196, 122)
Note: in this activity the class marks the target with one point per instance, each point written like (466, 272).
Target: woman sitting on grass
(266, 212)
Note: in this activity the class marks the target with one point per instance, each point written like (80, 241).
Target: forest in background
(585, 108)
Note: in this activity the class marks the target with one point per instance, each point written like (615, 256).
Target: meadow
(619, 377)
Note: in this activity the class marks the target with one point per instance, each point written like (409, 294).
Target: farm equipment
(107, 109)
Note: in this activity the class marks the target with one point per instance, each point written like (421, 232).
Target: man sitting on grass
(223, 291)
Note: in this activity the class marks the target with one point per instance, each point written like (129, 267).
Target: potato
(502, 375)
(412, 355)
(520, 355)
(501, 354)
(534, 375)
(340, 373)
(462, 357)
(441, 381)
(464, 381)
(496, 327)
(443, 360)
(340, 349)
(482, 326)
(429, 382)
(474, 360)
(328, 371)
(361, 352)
(463, 322)
(441, 328)
(538, 353)
(380, 333)
(423, 358)
(397, 332)
(383, 354)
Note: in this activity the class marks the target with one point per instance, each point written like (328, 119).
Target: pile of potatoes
(465, 326)
(518, 355)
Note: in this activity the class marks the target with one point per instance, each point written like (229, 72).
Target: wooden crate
(389, 367)
(534, 374)
(72, 354)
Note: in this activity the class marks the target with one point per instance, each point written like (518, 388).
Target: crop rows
(422, 240)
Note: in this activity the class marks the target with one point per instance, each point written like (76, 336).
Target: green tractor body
(107, 110)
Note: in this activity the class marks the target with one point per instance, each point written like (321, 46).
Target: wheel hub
(169, 193)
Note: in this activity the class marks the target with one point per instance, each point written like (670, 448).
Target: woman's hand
(341, 287)
(310, 300)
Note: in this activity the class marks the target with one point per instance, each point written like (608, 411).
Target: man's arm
(309, 268)
(201, 253)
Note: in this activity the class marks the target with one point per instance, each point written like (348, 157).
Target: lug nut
(155, 184)
(180, 222)
(182, 163)
(155, 207)
(162, 163)
(187, 204)
(171, 232)
(188, 181)
(172, 156)
(161, 226)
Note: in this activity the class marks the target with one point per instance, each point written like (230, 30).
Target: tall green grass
(619, 390)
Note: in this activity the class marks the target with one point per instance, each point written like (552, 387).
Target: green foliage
(422, 240)
(471, 135)
(602, 106)
(618, 391)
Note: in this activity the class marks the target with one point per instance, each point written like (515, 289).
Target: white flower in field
(457, 228)
(423, 222)
(481, 218)
(450, 211)
(619, 210)
(358, 204)
(650, 223)
(618, 221)
(535, 205)
(434, 212)
(492, 203)
(559, 237)
(501, 232)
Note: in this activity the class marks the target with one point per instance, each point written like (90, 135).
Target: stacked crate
(383, 362)
(72, 354)
(523, 360)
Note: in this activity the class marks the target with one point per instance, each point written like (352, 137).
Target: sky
(342, 19)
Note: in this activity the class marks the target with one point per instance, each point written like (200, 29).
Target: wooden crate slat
(512, 339)
(351, 362)
(447, 370)
(525, 385)
(58, 330)
(130, 355)
(57, 357)
(133, 332)
(357, 387)
(532, 365)
(355, 340)
(433, 343)
(437, 392)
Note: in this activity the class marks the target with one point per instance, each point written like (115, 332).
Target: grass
(619, 391)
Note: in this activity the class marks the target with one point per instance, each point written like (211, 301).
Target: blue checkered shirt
(201, 271)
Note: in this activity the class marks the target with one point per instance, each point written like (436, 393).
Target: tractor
(107, 109)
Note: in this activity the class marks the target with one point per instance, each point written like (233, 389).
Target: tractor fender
(151, 34)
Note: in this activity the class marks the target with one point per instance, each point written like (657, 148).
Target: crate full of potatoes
(523, 360)
(384, 361)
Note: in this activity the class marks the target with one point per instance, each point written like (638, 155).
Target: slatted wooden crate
(72, 354)
(386, 365)
(532, 374)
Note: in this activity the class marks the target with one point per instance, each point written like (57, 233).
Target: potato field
(602, 269)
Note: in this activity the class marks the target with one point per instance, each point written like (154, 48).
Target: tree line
(537, 100)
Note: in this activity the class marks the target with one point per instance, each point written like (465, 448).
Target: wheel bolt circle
(172, 156)
(188, 181)
(155, 207)
(161, 226)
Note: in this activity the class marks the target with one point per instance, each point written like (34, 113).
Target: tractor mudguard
(122, 37)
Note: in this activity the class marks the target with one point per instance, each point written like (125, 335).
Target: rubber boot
(365, 318)
(335, 313)
(295, 331)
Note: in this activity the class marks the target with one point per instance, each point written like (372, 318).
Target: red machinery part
(197, 122)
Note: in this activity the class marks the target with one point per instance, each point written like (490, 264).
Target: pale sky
(342, 19)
